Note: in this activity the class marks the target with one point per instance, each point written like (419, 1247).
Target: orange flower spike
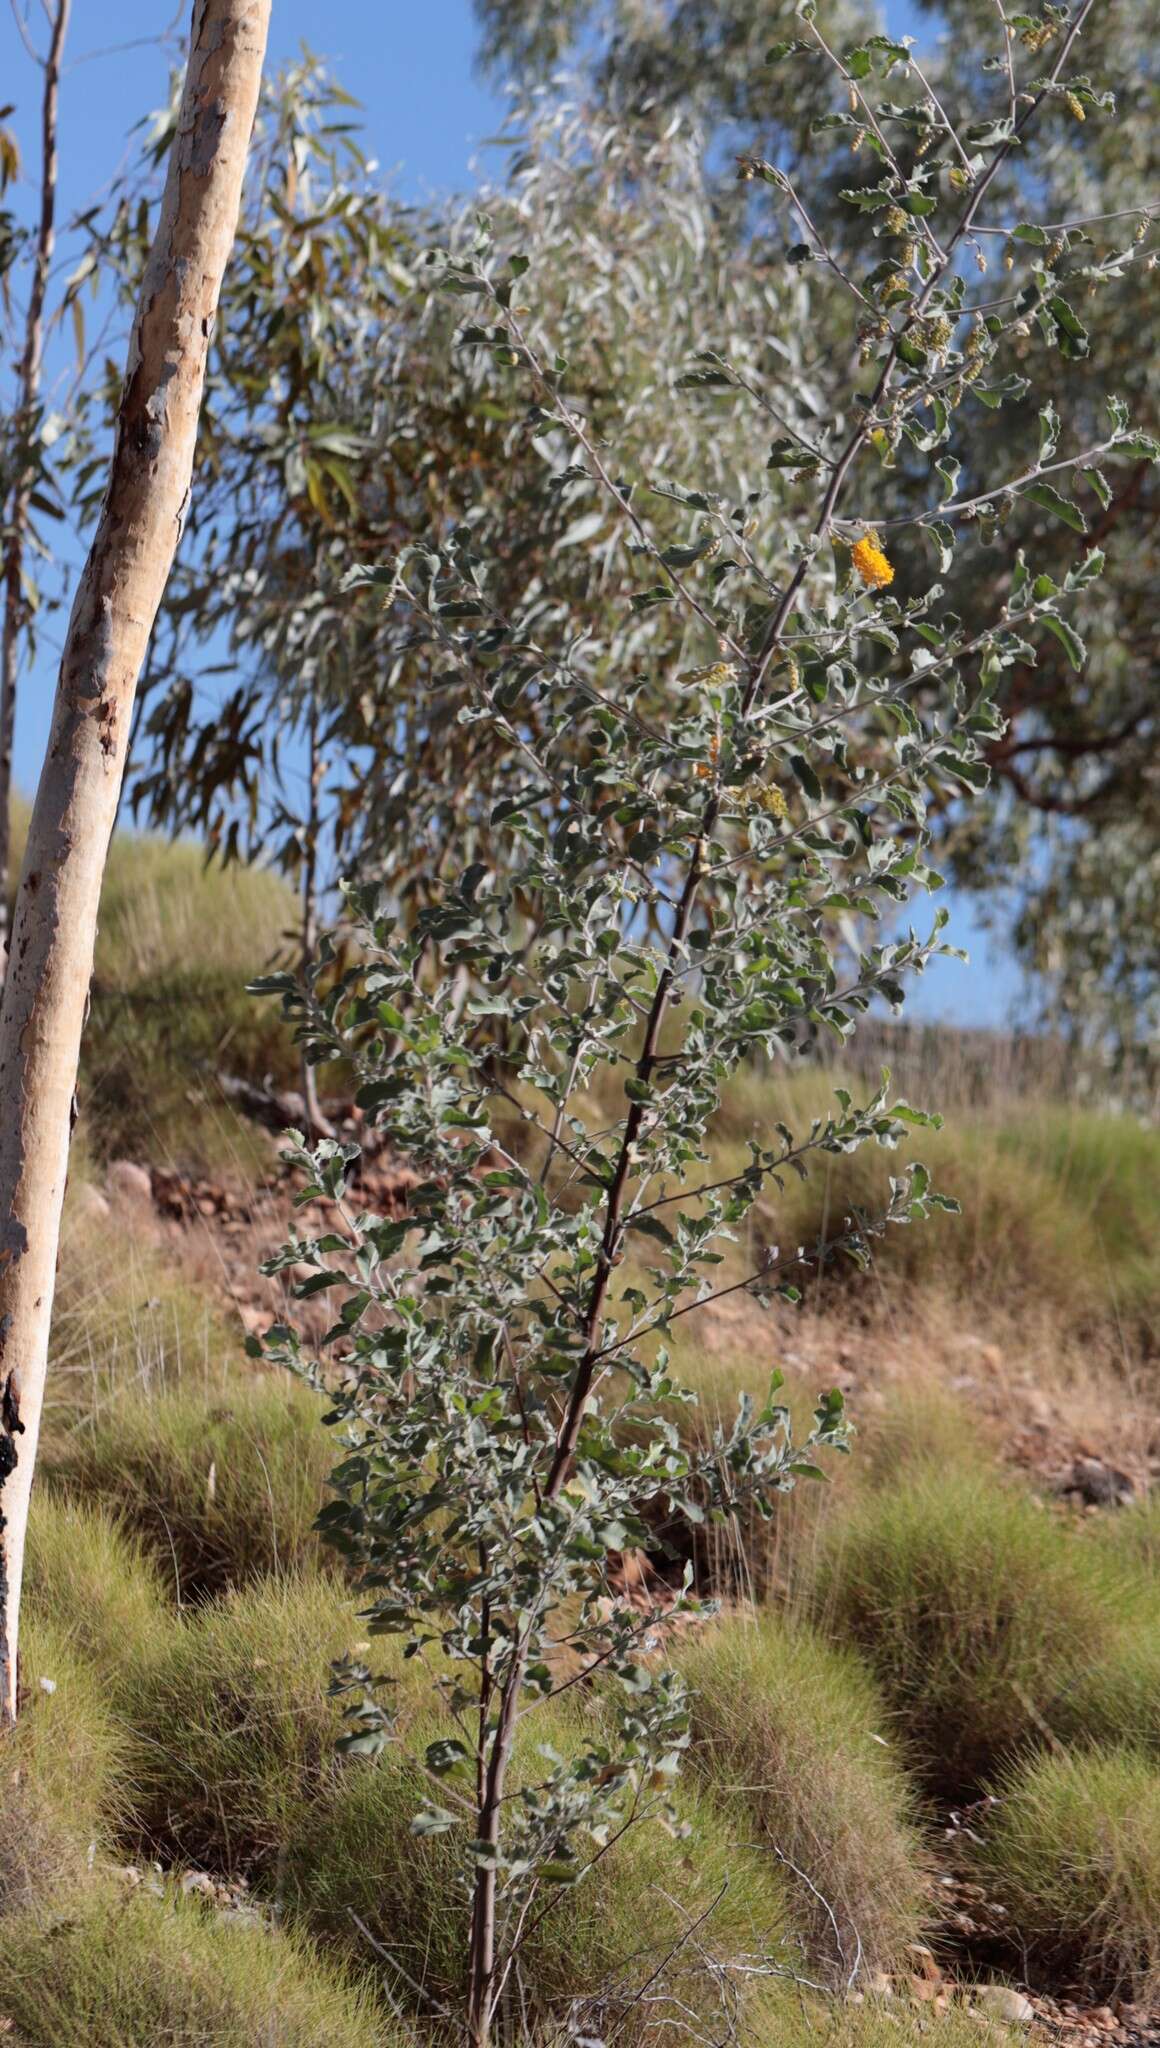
(871, 563)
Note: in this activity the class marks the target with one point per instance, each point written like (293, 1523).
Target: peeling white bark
(54, 925)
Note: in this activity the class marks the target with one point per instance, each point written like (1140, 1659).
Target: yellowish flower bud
(870, 562)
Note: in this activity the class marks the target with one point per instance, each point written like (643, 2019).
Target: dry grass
(134, 1315)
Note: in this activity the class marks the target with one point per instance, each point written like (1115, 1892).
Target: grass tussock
(1116, 1697)
(61, 1774)
(222, 1490)
(90, 1579)
(1073, 1853)
(125, 1968)
(968, 1598)
(233, 1730)
(792, 1732)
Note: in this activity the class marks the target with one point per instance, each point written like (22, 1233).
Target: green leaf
(432, 1820)
(911, 352)
(943, 536)
(446, 1756)
(1068, 638)
(806, 776)
(1100, 485)
(1048, 432)
(1071, 334)
(869, 198)
(1051, 501)
(1139, 447)
(651, 1226)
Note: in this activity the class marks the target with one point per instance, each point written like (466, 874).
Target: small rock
(879, 1985)
(1003, 2002)
(1100, 1485)
(197, 1881)
(128, 1182)
(243, 1916)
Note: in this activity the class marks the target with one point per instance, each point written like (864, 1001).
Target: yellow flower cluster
(1076, 106)
(870, 562)
(714, 677)
(770, 800)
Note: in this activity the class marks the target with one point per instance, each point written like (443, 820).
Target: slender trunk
(116, 603)
(15, 610)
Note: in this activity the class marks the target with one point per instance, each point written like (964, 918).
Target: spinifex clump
(701, 806)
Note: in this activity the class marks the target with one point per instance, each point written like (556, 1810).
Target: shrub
(222, 1490)
(671, 864)
(791, 1730)
(233, 1730)
(969, 1601)
(60, 1773)
(355, 1861)
(92, 1580)
(127, 1969)
(1073, 1853)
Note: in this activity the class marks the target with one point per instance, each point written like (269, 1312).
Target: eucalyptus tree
(744, 740)
(54, 927)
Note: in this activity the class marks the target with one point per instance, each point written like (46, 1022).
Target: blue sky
(426, 113)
